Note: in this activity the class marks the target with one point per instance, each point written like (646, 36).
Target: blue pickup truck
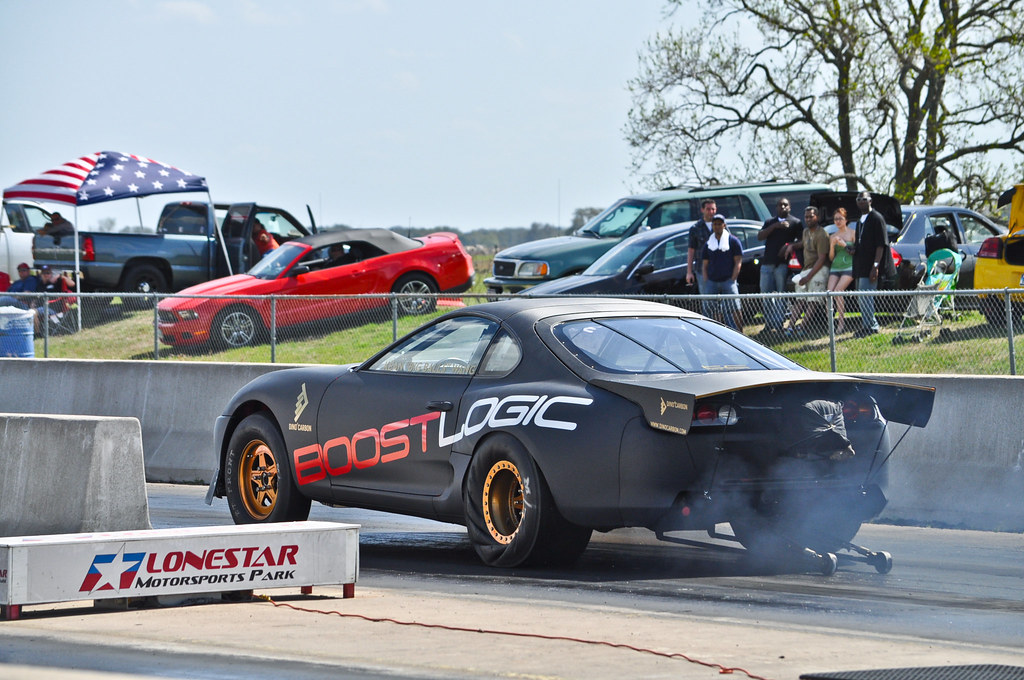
(185, 250)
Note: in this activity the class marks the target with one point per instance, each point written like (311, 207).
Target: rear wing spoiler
(668, 403)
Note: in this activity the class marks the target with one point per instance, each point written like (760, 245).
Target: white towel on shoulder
(714, 243)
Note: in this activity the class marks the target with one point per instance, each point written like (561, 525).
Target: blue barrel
(16, 333)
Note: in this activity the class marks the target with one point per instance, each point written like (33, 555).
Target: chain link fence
(919, 331)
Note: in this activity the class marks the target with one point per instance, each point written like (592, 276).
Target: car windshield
(665, 345)
(276, 261)
(618, 258)
(615, 220)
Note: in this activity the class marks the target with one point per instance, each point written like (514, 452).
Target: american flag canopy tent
(105, 176)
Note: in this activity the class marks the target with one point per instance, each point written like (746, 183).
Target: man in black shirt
(867, 259)
(776, 233)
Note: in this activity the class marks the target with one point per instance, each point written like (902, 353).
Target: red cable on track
(724, 670)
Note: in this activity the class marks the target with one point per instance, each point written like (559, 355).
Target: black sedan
(534, 422)
(654, 263)
(969, 228)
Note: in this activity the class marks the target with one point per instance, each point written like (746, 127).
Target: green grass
(966, 345)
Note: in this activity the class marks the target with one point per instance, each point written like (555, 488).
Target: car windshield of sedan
(615, 220)
(275, 262)
(665, 345)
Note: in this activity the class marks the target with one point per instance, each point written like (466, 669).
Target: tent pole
(220, 235)
(78, 278)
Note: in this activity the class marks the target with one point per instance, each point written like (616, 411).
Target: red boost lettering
(364, 449)
(221, 558)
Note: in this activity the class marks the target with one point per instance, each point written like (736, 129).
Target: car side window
(451, 347)
(975, 231)
(738, 207)
(798, 200)
(671, 253)
(36, 219)
(940, 221)
(742, 234)
(503, 356)
(277, 224)
(671, 213)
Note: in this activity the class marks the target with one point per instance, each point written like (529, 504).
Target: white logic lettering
(516, 413)
(444, 441)
(541, 421)
(468, 429)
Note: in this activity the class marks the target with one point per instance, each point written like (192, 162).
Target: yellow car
(1000, 262)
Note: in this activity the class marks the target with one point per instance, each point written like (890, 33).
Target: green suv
(528, 264)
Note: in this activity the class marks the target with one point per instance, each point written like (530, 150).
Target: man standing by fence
(777, 233)
(867, 259)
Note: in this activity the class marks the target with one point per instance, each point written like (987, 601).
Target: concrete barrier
(176, 402)
(966, 469)
(70, 474)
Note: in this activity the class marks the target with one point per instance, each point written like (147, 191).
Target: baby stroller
(925, 312)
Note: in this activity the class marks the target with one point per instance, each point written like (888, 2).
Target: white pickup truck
(19, 221)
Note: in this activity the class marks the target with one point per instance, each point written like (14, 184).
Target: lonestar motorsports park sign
(127, 564)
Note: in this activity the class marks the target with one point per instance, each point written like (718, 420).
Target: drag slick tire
(510, 512)
(257, 475)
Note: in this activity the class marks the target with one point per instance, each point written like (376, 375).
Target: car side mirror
(644, 269)
(299, 269)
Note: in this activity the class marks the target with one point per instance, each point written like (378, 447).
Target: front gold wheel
(257, 475)
(503, 504)
(258, 480)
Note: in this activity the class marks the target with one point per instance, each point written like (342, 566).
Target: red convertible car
(325, 264)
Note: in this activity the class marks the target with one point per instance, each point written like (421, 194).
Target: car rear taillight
(714, 414)
(88, 250)
(992, 247)
(855, 410)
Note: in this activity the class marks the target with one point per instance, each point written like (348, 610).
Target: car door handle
(439, 406)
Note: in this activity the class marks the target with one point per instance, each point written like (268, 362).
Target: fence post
(394, 317)
(1009, 331)
(273, 329)
(156, 328)
(46, 326)
(831, 328)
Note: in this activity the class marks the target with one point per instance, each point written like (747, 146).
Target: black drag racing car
(534, 422)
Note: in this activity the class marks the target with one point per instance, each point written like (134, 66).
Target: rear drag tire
(510, 513)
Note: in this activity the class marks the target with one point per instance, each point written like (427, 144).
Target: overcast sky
(461, 113)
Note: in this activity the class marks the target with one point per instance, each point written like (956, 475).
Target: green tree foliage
(917, 98)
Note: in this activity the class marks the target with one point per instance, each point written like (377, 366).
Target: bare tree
(918, 98)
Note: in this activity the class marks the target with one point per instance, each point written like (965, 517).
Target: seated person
(26, 283)
(344, 253)
(53, 282)
(57, 226)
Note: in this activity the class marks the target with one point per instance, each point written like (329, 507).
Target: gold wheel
(503, 501)
(257, 479)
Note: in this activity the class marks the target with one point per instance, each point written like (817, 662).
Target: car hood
(228, 285)
(828, 201)
(578, 283)
(667, 402)
(554, 247)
